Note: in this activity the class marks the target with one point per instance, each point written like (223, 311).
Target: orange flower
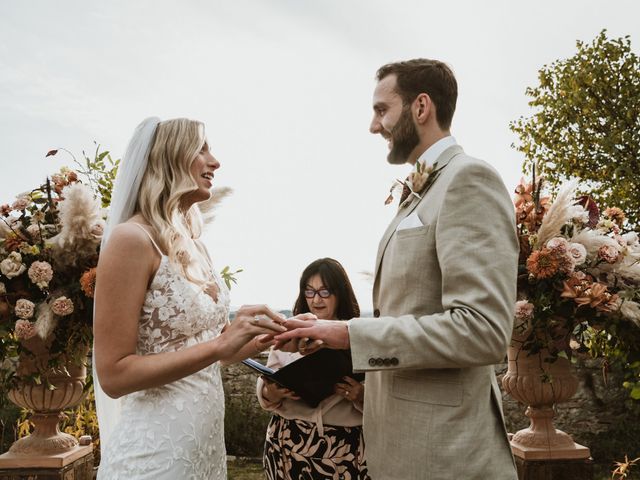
(546, 262)
(595, 296)
(543, 263)
(88, 282)
(12, 242)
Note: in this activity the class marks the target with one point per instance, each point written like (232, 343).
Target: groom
(443, 297)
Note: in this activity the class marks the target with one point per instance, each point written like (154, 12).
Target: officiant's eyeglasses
(323, 292)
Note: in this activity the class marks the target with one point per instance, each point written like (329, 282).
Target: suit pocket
(412, 232)
(427, 390)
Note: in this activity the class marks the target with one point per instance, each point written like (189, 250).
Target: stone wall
(245, 422)
(600, 415)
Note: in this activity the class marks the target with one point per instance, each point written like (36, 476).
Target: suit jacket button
(379, 362)
(376, 313)
(394, 361)
(386, 362)
(372, 362)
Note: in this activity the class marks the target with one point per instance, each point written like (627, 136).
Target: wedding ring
(346, 394)
(255, 320)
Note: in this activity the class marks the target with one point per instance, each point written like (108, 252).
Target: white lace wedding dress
(174, 432)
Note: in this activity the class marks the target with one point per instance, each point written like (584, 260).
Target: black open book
(313, 376)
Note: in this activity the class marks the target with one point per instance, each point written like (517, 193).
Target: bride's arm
(126, 266)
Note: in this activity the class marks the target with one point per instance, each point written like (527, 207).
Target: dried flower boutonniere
(414, 185)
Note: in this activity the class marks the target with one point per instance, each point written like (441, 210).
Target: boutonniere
(414, 185)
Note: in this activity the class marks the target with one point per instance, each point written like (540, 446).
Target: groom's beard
(404, 138)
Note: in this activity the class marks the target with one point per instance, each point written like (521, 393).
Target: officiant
(302, 441)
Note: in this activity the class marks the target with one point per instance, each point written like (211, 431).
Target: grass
(244, 469)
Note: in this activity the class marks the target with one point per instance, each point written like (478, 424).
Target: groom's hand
(334, 333)
(293, 345)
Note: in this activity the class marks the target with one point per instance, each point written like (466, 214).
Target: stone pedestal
(540, 385)
(76, 464)
(554, 469)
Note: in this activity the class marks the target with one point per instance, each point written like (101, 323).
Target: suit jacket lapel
(442, 162)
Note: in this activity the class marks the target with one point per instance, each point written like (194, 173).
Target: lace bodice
(176, 309)
(175, 431)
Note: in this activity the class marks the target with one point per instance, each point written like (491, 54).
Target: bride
(161, 315)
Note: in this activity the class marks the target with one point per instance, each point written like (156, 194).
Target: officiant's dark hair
(335, 279)
(423, 75)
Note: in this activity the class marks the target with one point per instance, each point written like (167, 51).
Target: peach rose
(40, 273)
(62, 306)
(24, 308)
(25, 330)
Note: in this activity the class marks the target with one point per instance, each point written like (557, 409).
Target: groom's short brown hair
(422, 75)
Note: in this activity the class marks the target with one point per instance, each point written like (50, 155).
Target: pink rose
(25, 330)
(524, 311)
(21, 203)
(558, 243)
(24, 308)
(608, 253)
(62, 306)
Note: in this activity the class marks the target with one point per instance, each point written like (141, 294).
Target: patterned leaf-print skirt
(294, 450)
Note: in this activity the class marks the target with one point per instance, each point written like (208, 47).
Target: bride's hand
(250, 321)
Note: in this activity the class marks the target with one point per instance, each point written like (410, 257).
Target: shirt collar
(432, 153)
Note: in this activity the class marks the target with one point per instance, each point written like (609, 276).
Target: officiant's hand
(274, 393)
(334, 333)
(351, 389)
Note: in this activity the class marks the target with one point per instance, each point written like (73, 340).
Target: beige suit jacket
(443, 298)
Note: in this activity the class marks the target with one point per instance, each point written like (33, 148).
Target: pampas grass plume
(561, 212)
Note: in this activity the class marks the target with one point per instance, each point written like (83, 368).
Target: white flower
(579, 214)
(164, 313)
(158, 299)
(38, 217)
(578, 253)
(631, 238)
(12, 266)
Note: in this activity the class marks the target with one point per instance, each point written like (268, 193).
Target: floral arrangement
(418, 181)
(49, 245)
(579, 279)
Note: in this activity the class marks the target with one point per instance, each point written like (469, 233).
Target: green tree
(586, 123)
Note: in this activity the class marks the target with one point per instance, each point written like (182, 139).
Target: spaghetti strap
(150, 238)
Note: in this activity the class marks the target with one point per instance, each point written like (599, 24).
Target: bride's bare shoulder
(129, 239)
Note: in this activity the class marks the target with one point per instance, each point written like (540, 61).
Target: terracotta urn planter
(540, 385)
(60, 388)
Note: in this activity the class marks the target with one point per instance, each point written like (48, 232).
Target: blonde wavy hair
(165, 182)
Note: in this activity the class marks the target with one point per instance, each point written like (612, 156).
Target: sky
(284, 89)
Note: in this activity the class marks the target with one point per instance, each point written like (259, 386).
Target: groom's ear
(422, 108)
